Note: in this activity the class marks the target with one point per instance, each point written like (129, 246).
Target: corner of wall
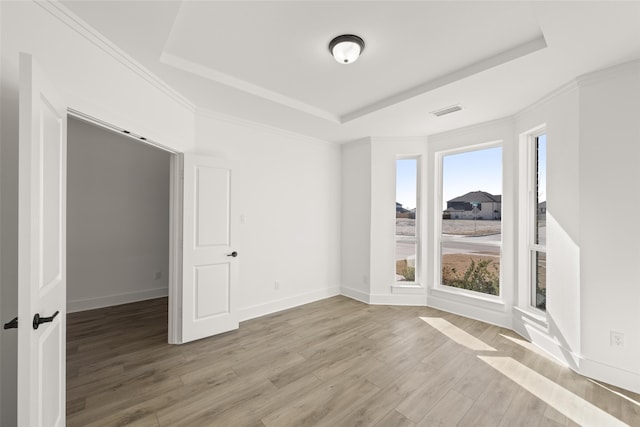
(355, 294)
(355, 224)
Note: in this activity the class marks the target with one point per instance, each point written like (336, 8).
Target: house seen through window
(471, 225)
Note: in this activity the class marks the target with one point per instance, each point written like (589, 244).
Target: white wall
(368, 220)
(117, 218)
(95, 79)
(287, 189)
(356, 220)
(592, 155)
(560, 334)
(609, 157)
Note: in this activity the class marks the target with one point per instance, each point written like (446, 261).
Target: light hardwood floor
(335, 362)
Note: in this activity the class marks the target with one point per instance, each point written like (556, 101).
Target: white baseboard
(107, 301)
(494, 317)
(355, 294)
(285, 303)
(398, 299)
(610, 374)
(412, 299)
(537, 333)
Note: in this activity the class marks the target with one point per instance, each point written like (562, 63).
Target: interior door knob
(233, 254)
(37, 320)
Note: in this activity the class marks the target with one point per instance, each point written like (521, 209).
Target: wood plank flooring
(335, 362)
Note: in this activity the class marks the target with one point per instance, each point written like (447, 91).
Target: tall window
(538, 240)
(471, 231)
(406, 219)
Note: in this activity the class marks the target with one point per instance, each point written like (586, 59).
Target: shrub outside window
(471, 224)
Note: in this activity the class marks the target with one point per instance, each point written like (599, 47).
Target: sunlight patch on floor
(617, 393)
(457, 334)
(533, 348)
(572, 406)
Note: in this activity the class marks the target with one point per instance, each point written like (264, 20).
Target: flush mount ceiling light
(346, 48)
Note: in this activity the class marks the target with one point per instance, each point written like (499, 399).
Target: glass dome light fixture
(346, 48)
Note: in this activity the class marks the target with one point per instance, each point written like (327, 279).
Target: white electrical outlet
(276, 285)
(617, 339)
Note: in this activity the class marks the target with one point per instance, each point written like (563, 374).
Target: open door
(210, 264)
(41, 250)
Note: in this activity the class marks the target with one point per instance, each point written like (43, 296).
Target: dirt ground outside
(461, 262)
(454, 267)
(470, 227)
(456, 227)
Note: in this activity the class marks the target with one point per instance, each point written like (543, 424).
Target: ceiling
(268, 61)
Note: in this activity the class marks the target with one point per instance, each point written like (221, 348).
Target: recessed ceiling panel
(279, 50)
(268, 62)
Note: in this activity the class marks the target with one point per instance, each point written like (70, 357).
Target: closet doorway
(120, 216)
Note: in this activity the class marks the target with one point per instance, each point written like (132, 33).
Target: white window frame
(438, 287)
(526, 224)
(416, 239)
(533, 247)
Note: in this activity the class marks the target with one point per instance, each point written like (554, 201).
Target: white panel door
(210, 264)
(41, 250)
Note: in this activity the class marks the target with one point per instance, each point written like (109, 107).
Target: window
(471, 224)
(538, 215)
(407, 241)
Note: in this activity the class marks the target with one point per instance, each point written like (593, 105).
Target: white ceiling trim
(611, 72)
(237, 121)
(487, 63)
(256, 90)
(567, 87)
(73, 21)
(234, 82)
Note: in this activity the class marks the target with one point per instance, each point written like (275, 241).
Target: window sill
(460, 296)
(536, 318)
(452, 238)
(408, 289)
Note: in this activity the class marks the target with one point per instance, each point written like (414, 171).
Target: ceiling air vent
(447, 110)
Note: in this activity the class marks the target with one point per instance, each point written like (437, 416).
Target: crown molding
(360, 142)
(524, 49)
(71, 20)
(631, 67)
(503, 123)
(565, 88)
(237, 121)
(585, 80)
(418, 139)
(244, 86)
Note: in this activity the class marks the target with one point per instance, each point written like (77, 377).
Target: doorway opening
(124, 222)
